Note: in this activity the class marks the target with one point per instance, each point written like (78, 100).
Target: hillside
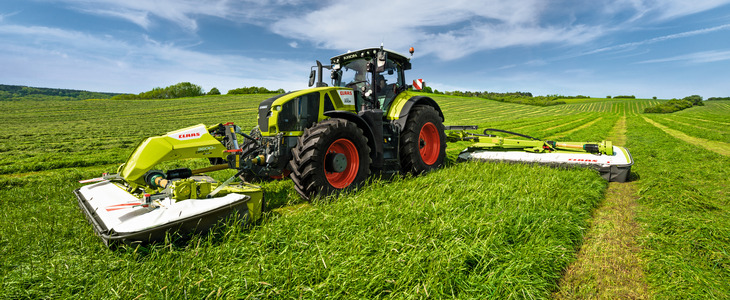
(19, 92)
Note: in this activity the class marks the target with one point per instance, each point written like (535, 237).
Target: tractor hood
(292, 112)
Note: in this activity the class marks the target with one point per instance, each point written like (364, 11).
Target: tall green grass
(685, 209)
(470, 230)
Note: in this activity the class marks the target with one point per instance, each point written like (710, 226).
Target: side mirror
(311, 77)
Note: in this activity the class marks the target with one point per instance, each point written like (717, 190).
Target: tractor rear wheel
(423, 141)
(331, 156)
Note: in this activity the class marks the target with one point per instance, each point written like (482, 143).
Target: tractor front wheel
(423, 141)
(331, 156)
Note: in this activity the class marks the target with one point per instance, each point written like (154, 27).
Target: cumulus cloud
(450, 30)
(75, 59)
(459, 28)
(184, 13)
(432, 26)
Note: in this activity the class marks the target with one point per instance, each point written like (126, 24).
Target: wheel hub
(335, 162)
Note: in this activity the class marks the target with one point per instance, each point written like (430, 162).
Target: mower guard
(138, 224)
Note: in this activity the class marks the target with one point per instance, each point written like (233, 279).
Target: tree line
(511, 97)
(187, 89)
(19, 92)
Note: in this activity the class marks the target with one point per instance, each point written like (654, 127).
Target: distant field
(469, 230)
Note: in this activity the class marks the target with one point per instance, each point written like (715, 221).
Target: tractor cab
(376, 75)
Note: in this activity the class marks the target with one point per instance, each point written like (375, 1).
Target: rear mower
(611, 161)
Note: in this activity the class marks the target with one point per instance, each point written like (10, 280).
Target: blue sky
(663, 48)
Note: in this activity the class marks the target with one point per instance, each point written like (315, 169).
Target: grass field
(469, 230)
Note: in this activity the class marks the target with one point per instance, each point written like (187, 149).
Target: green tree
(183, 89)
(695, 100)
(214, 91)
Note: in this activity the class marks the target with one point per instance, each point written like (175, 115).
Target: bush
(180, 90)
(669, 107)
(695, 100)
(214, 91)
(253, 90)
(625, 97)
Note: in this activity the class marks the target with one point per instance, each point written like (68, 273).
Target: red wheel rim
(343, 179)
(430, 143)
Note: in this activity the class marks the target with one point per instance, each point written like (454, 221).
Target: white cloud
(447, 29)
(685, 34)
(450, 30)
(54, 57)
(3, 16)
(657, 9)
(184, 13)
(669, 9)
(697, 57)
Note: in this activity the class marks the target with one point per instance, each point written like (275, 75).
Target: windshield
(353, 74)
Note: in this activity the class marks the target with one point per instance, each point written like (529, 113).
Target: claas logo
(188, 135)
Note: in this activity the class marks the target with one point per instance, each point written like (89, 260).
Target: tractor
(330, 138)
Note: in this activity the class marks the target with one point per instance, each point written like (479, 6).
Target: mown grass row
(705, 131)
(471, 110)
(685, 211)
(633, 106)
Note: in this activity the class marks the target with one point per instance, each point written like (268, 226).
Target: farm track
(714, 146)
(608, 265)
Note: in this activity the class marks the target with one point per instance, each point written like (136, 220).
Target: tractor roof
(370, 53)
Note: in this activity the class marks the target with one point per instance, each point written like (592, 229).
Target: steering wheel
(355, 83)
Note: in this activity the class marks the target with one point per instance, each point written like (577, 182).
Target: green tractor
(331, 138)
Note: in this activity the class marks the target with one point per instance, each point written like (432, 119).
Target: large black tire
(330, 156)
(423, 141)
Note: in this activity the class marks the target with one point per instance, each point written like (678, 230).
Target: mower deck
(616, 167)
(118, 216)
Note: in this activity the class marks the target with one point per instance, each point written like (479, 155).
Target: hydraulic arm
(487, 141)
